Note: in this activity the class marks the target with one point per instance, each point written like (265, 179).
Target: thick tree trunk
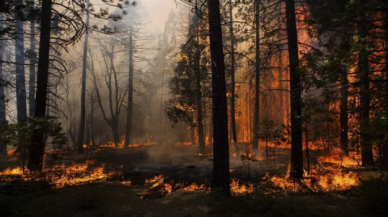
(344, 113)
(233, 85)
(295, 93)
(220, 174)
(81, 132)
(255, 144)
(363, 70)
(128, 129)
(114, 125)
(31, 92)
(3, 120)
(35, 160)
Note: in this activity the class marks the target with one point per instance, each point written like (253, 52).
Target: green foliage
(19, 135)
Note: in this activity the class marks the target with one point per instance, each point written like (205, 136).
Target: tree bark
(220, 174)
(201, 137)
(128, 129)
(295, 93)
(81, 132)
(255, 144)
(344, 139)
(31, 92)
(3, 119)
(363, 70)
(233, 84)
(35, 160)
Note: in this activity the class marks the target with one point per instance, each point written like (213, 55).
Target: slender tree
(256, 114)
(81, 131)
(21, 105)
(233, 83)
(128, 129)
(35, 160)
(31, 92)
(3, 120)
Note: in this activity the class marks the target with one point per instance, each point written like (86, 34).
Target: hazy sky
(158, 11)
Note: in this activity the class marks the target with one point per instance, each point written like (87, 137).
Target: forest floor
(152, 180)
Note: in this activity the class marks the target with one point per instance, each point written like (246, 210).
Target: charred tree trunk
(31, 92)
(363, 70)
(21, 104)
(255, 144)
(233, 84)
(3, 120)
(344, 139)
(35, 160)
(220, 174)
(81, 132)
(201, 136)
(295, 93)
(128, 129)
(114, 125)
(92, 120)
(385, 144)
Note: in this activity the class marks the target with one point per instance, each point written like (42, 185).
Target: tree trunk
(255, 144)
(385, 144)
(233, 85)
(295, 93)
(307, 147)
(363, 70)
(21, 105)
(3, 120)
(114, 125)
(344, 113)
(81, 132)
(35, 160)
(31, 92)
(201, 137)
(220, 174)
(92, 119)
(130, 93)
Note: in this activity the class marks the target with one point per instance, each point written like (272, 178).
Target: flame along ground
(327, 175)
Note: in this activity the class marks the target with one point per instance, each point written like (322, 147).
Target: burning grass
(61, 175)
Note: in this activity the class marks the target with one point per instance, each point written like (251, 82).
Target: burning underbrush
(61, 176)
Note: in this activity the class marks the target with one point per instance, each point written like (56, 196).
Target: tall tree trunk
(220, 174)
(92, 119)
(233, 84)
(385, 144)
(255, 144)
(3, 120)
(344, 113)
(363, 70)
(201, 137)
(31, 92)
(81, 131)
(295, 93)
(19, 57)
(130, 92)
(35, 160)
(281, 89)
